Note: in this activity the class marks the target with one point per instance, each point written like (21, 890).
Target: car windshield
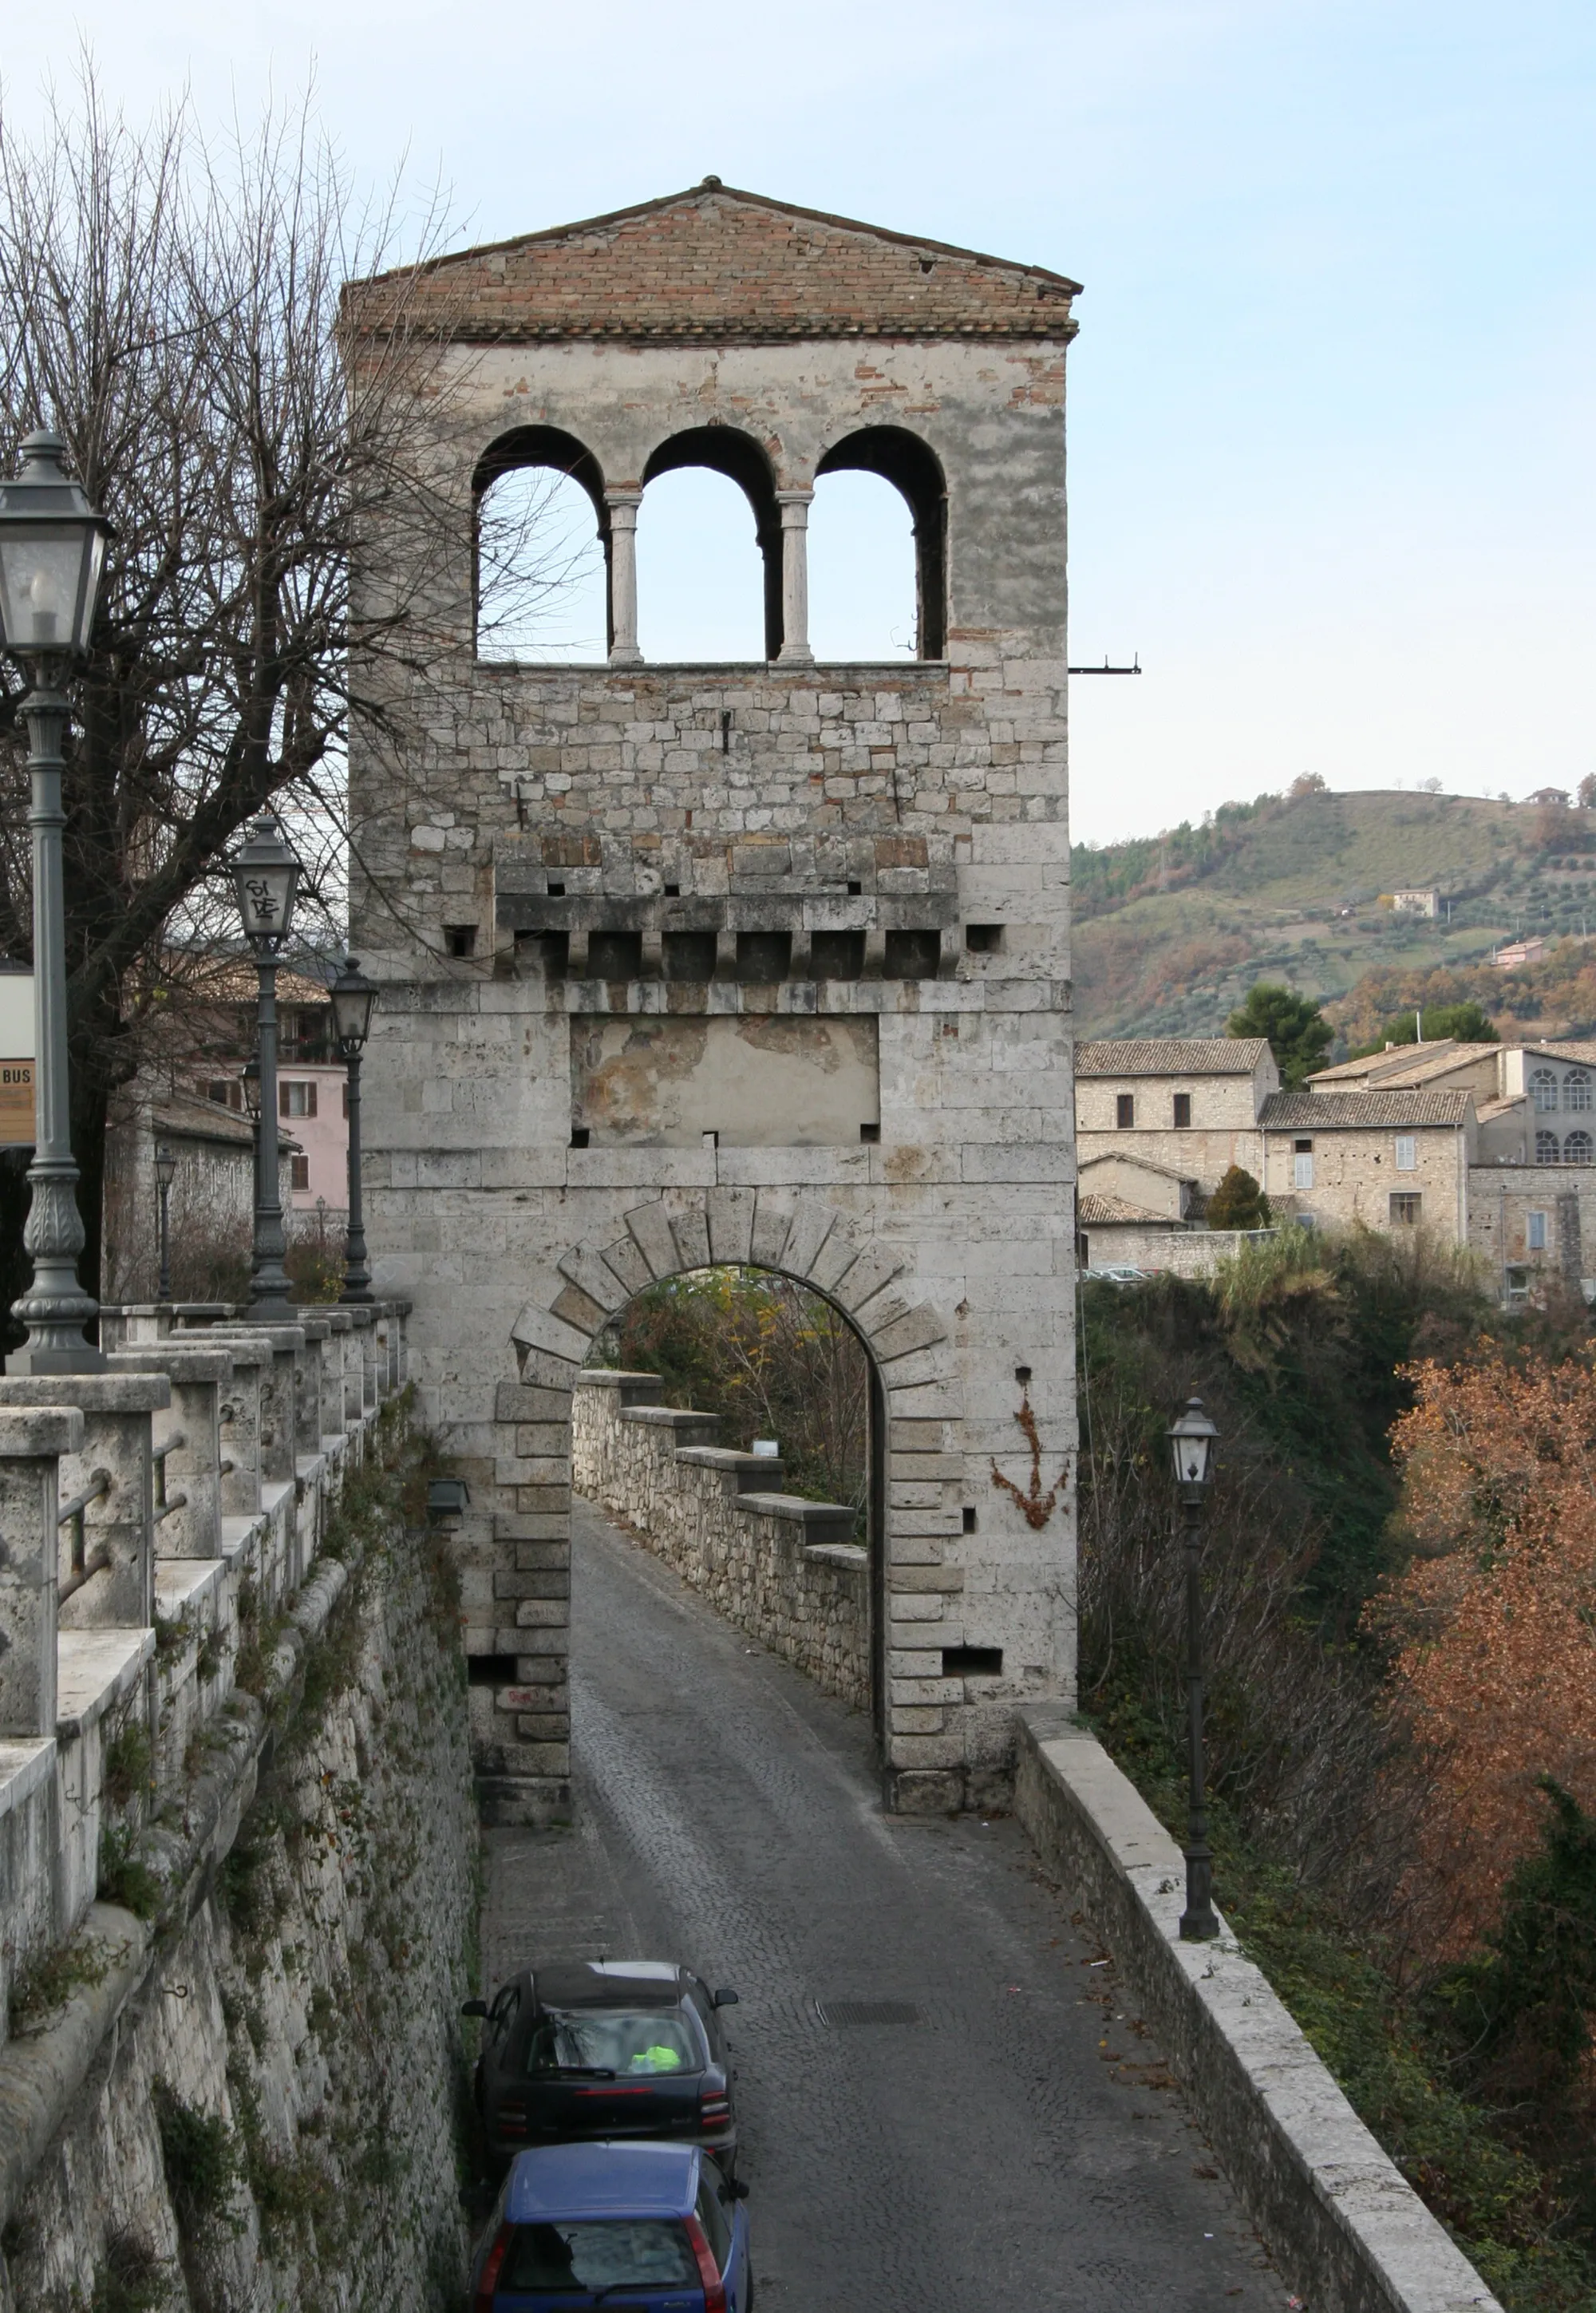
(634, 2044)
(617, 2253)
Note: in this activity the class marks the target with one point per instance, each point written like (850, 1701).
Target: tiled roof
(1171, 1056)
(1376, 1112)
(1404, 1064)
(715, 263)
(1122, 1153)
(1099, 1212)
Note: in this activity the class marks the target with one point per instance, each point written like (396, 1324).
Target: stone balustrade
(146, 1511)
(786, 1570)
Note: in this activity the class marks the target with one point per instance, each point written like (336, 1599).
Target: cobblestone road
(1018, 2146)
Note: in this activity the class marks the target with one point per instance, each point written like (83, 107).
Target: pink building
(312, 1094)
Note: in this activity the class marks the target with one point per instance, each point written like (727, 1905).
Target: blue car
(653, 2228)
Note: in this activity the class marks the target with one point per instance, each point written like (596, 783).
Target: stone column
(334, 1411)
(794, 577)
(119, 1529)
(32, 1442)
(201, 1379)
(365, 1338)
(623, 506)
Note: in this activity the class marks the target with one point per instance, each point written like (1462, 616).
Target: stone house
(1190, 1105)
(1388, 1159)
(1128, 1208)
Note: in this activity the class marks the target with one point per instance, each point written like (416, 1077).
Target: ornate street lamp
(1192, 1439)
(266, 875)
(52, 551)
(166, 1167)
(353, 1000)
(249, 1080)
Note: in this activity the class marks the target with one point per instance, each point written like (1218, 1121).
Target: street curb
(1348, 2231)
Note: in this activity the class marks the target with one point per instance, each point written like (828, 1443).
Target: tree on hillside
(171, 311)
(1298, 1035)
(1587, 791)
(1308, 783)
(1237, 1203)
(1468, 1022)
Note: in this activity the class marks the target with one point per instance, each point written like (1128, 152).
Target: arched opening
(541, 540)
(861, 565)
(734, 1425)
(700, 597)
(902, 459)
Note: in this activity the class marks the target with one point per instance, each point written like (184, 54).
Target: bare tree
(170, 307)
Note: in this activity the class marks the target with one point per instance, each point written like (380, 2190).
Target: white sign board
(16, 1058)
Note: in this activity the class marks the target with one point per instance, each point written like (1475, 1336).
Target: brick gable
(719, 264)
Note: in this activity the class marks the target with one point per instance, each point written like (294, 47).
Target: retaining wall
(784, 1570)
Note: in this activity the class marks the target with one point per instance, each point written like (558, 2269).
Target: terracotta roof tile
(1171, 1056)
(1374, 1112)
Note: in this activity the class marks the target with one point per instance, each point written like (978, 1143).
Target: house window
(1182, 1108)
(298, 1172)
(1407, 1153)
(1405, 1206)
(1546, 1149)
(1535, 1232)
(1543, 1092)
(296, 1099)
(1577, 1149)
(1124, 1110)
(1302, 1164)
(1576, 1089)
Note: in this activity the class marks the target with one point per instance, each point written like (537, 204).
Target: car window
(714, 2216)
(501, 2016)
(616, 2253)
(634, 2044)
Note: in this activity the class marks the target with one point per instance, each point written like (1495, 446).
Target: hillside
(1170, 931)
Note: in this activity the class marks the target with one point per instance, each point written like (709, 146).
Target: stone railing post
(113, 1583)
(33, 1440)
(279, 1396)
(366, 1327)
(318, 1332)
(188, 1511)
(239, 1413)
(334, 1409)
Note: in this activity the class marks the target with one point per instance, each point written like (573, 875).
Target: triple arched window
(708, 560)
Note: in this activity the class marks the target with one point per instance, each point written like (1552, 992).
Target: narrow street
(1010, 2140)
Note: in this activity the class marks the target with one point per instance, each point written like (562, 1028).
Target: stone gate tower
(763, 962)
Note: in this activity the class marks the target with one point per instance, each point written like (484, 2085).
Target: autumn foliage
(1492, 1623)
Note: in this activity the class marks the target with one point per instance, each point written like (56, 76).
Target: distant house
(1519, 952)
(1416, 904)
(1551, 796)
(1187, 1105)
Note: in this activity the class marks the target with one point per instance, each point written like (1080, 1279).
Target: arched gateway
(760, 964)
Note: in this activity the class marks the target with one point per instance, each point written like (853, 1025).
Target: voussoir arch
(799, 1237)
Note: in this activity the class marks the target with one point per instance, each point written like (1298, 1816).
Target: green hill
(1171, 931)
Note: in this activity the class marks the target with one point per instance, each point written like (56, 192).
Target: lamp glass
(166, 1167)
(1191, 1445)
(250, 1078)
(52, 554)
(354, 999)
(266, 877)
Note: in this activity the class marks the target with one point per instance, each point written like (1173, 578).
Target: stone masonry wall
(784, 1570)
(269, 2116)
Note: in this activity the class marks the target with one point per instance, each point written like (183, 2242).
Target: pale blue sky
(1331, 424)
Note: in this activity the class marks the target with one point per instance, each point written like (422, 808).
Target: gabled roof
(1404, 1064)
(1172, 1056)
(1373, 1112)
(1105, 1212)
(714, 262)
(1127, 1155)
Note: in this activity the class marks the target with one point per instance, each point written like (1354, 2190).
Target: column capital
(623, 502)
(792, 502)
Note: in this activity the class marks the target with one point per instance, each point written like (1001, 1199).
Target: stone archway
(916, 1486)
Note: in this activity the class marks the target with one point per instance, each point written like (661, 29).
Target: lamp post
(166, 1166)
(52, 551)
(266, 875)
(353, 1000)
(1192, 1439)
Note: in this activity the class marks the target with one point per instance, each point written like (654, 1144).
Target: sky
(1330, 435)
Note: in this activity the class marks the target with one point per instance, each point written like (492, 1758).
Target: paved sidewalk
(1017, 2147)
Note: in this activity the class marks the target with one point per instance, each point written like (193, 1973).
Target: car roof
(608, 1983)
(568, 2181)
